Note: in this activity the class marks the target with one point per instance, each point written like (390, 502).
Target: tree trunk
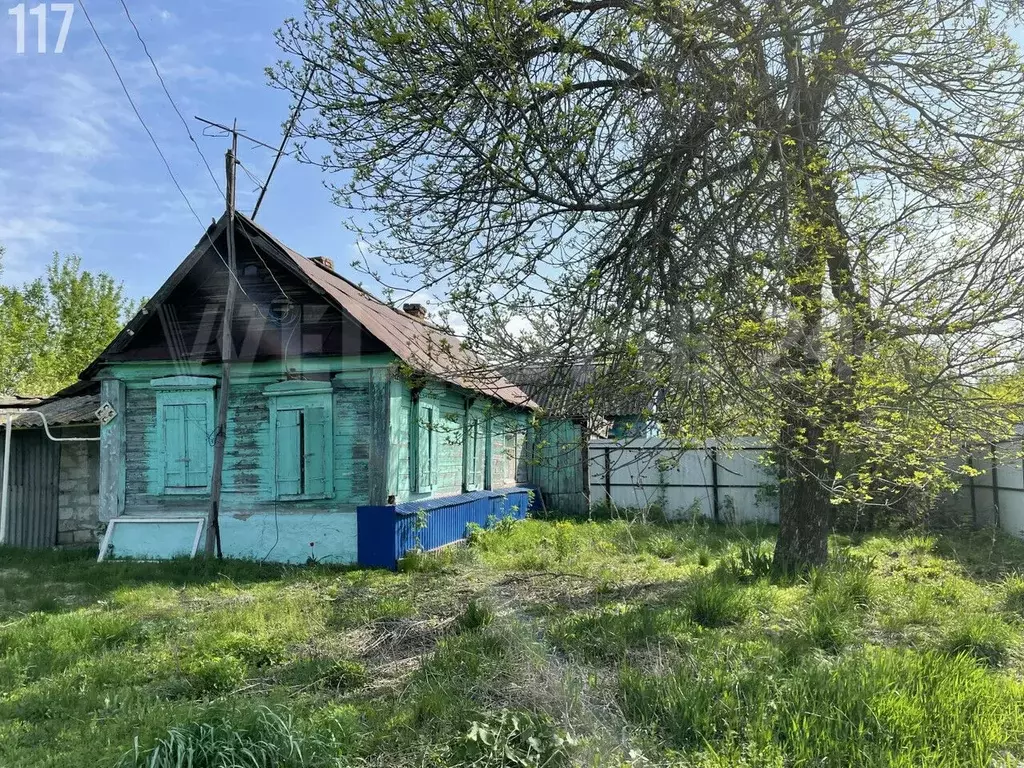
(804, 508)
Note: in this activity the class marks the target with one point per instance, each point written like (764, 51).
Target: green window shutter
(197, 469)
(480, 449)
(175, 451)
(288, 459)
(316, 434)
(474, 464)
(426, 455)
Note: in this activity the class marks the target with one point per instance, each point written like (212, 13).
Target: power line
(156, 146)
(167, 93)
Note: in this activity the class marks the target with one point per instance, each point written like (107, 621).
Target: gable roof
(424, 347)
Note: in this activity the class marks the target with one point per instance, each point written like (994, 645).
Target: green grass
(549, 643)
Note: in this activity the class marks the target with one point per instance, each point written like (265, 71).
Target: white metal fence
(996, 495)
(722, 481)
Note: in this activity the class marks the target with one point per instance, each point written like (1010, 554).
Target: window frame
(416, 428)
(474, 444)
(302, 395)
(178, 391)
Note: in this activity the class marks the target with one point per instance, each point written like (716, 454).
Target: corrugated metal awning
(61, 412)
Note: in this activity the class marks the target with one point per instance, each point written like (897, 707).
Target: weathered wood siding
(554, 462)
(186, 327)
(501, 463)
(248, 461)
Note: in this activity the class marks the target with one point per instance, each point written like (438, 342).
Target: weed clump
(714, 602)
(983, 638)
(733, 704)
(268, 740)
(1013, 594)
(478, 614)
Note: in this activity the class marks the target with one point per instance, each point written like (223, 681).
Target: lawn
(544, 643)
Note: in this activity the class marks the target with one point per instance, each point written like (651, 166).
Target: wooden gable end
(278, 315)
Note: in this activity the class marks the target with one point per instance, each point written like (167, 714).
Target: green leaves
(53, 327)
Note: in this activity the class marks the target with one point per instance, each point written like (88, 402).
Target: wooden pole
(226, 351)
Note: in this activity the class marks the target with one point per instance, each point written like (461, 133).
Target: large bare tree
(809, 210)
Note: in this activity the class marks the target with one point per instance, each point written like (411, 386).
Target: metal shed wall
(34, 489)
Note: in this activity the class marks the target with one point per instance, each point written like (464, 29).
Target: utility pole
(226, 353)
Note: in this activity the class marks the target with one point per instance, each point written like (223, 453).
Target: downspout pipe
(6, 478)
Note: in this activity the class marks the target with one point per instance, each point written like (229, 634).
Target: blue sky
(79, 174)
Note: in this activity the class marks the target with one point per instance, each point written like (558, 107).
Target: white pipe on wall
(6, 479)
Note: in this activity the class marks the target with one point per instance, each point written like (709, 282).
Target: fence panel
(722, 481)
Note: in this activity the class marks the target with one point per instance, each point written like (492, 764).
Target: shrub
(267, 741)
(715, 602)
(983, 638)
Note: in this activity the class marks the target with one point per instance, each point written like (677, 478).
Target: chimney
(323, 262)
(416, 310)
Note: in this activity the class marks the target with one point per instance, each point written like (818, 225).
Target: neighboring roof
(59, 412)
(583, 389)
(420, 344)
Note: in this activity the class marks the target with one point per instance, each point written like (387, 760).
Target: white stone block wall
(79, 494)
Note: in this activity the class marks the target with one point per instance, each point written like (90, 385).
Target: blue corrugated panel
(375, 536)
(386, 534)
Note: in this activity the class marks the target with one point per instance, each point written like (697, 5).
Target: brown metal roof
(60, 412)
(421, 345)
(579, 389)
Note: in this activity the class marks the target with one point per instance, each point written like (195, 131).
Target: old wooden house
(337, 400)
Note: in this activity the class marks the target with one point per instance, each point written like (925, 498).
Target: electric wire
(170, 98)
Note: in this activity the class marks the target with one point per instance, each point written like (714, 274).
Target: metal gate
(34, 491)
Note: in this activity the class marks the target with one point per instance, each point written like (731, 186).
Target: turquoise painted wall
(287, 538)
(256, 524)
(503, 437)
(251, 517)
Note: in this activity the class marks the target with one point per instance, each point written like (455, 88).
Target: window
(474, 454)
(184, 418)
(302, 439)
(424, 447)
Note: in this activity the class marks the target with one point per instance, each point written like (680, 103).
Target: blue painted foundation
(387, 533)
